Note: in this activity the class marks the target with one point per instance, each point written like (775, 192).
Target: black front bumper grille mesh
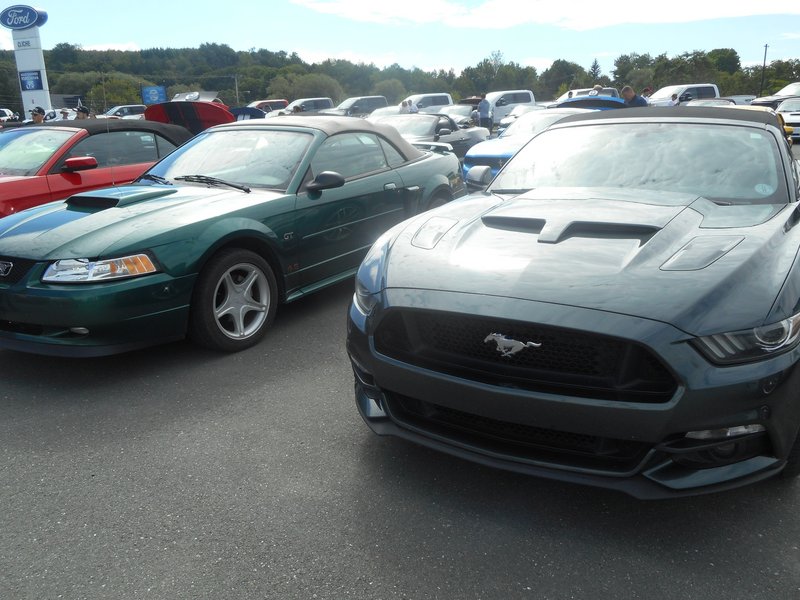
(16, 272)
(576, 363)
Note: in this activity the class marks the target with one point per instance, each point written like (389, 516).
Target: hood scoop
(118, 197)
(555, 221)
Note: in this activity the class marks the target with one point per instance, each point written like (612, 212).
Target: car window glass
(734, 164)
(706, 92)
(350, 155)
(163, 146)
(253, 157)
(24, 151)
(116, 148)
(393, 156)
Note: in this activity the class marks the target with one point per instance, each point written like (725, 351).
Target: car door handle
(390, 186)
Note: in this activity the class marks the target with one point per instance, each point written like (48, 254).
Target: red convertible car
(42, 163)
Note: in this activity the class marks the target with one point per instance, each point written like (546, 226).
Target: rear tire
(234, 301)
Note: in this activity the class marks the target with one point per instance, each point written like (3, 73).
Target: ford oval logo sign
(22, 17)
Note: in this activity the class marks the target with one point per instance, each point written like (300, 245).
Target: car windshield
(532, 123)
(347, 103)
(521, 109)
(414, 125)
(23, 151)
(665, 93)
(258, 158)
(728, 164)
(789, 105)
(793, 89)
(460, 110)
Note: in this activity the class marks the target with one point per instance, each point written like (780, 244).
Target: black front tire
(234, 301)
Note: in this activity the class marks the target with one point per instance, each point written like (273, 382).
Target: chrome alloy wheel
(241, 301)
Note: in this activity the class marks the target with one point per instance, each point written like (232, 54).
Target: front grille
(20, 268)
(517, 440)
(570, 362)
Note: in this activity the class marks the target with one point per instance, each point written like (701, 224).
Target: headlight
(83, 270)
(369, 279)
(751, 344)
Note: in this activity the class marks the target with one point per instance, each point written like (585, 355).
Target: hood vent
(559, 231)
(117, 197)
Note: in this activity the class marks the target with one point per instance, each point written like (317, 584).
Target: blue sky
(433, 34)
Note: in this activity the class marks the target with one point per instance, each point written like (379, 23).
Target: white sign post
(24, 22)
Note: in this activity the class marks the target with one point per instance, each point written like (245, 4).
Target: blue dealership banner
(154, 94)
(30, 81)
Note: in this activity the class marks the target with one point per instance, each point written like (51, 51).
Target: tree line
(105, 78)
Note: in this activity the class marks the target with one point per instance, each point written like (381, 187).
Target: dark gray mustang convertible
(619, 308)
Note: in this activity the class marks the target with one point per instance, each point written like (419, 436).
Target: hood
(502, 146)
(684, 261)
(91, 224)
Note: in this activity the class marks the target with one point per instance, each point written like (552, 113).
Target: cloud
(790, 36)
(6, 43)
(113, 46)
(539, 62)
(579, 15)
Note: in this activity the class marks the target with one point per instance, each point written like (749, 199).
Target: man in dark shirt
(632, 98)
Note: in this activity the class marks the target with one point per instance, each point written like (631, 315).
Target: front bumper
(646, 450)
(82, 320)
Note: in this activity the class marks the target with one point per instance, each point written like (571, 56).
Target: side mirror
(502, 102)
(325, 181)
(79, 163)
(478, 177)
(444, 131)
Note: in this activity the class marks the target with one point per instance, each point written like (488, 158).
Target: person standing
(674, 100)
(483, 113)
(82, 112)
(632, 99)
(37, 116)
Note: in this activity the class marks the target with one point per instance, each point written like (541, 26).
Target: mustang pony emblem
(506, 346)
(5, 268)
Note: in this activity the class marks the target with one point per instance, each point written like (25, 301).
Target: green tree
(725, 60)
(594, 71)
(112, 90)
(562, 72)
(392, 89)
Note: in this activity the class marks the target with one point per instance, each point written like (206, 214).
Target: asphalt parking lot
(180, 473)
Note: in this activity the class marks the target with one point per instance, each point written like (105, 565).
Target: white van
(430, 102)
(502, 103)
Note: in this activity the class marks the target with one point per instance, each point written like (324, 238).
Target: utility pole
(236, 87)
(763, 71)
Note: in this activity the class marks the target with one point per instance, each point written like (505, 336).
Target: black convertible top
(174, 133)
(658, 113)
(331, 125)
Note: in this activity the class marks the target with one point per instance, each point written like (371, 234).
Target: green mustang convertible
(213, 237)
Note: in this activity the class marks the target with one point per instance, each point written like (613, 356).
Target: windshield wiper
(211, 181)
(156, 178)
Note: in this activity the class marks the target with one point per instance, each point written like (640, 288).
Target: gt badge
(508, 347)
(5, 268)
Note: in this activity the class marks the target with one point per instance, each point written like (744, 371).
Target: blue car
(496, 152)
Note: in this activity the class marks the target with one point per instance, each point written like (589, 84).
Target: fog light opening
(727, 432)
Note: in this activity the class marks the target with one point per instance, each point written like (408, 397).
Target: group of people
(38, 114)
(408, 107)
